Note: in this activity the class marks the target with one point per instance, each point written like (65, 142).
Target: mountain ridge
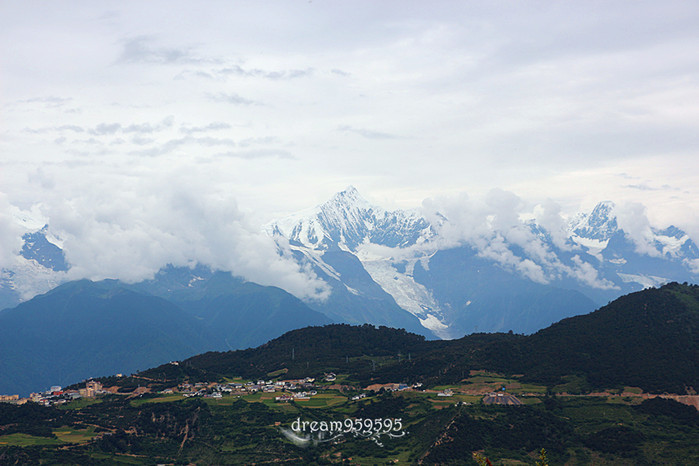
(416, 269)
(83, 328)
(599, 260)
(658, 352)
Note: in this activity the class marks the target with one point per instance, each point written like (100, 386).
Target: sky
(157, 126)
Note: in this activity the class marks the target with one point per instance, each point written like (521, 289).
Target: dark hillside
(648, 339)
(83, 329)
(307, 351)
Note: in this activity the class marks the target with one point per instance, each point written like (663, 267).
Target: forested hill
(339, 347)
(646, 339)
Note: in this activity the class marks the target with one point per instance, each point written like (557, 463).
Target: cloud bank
(499, 226)
(130, 235)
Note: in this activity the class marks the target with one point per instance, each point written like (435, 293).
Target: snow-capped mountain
(347, 220)
(39, 266)
(598, 225)
(440, 272)
(348, 229)
(511, 277)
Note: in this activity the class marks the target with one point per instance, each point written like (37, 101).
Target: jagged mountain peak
(600, 224)
(602, 211)
(349, 195)
(345, 210)
(347, 220)
(672, 232)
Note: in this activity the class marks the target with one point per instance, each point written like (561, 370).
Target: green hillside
(208, 409)
(647, 339)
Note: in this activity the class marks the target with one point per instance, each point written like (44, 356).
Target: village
(287, 390)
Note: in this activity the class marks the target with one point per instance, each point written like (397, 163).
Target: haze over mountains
(85, 329)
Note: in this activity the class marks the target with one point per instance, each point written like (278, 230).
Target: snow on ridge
(671, 245)
(31, 278)
(599, 224)
(647, 281)
(347, 219)
(408, 294)
(31, 221)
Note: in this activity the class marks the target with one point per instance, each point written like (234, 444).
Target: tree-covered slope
(647, 339)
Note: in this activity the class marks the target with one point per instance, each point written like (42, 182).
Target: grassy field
(161, 399)
(63, 434)
(26, 440)
(323, 400)
(278, 373)
(80, 403)
(574, 429)
(488, 381)
(69, 435)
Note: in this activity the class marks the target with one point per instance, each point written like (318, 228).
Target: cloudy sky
(134, 121)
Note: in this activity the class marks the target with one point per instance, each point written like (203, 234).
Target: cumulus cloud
(632, 218)
(230, 98)
(492, 225)
(134, 234)
(235, 70)
(252, 154)
(497, 250)
(238, 70)
(693, 265)
(496, 226)
(50, 101)
(586, 273)
(10, 234)
(217, 125)
(173, 144)
(548, 214)
(141, 128)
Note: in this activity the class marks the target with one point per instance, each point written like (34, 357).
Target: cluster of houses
(216, 390)
(393, 387)
(295, 396)
(501, 398)
(292, 390)
(57, 396)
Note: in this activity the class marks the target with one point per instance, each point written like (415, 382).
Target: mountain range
(442, 272)
(460, 274)
(616, 386)
(85, 329)
(646, 339)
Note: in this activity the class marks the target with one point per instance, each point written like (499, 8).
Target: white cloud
(497, 223)
(491, 225)
(632, 218)
(404, 101)
(549, 215)
(587, 274)
(130, 234)
(10, 234)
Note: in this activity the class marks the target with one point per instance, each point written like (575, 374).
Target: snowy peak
(600, 224)
(47, 254)
(675, 243)
(347, 220)
(349, 199)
